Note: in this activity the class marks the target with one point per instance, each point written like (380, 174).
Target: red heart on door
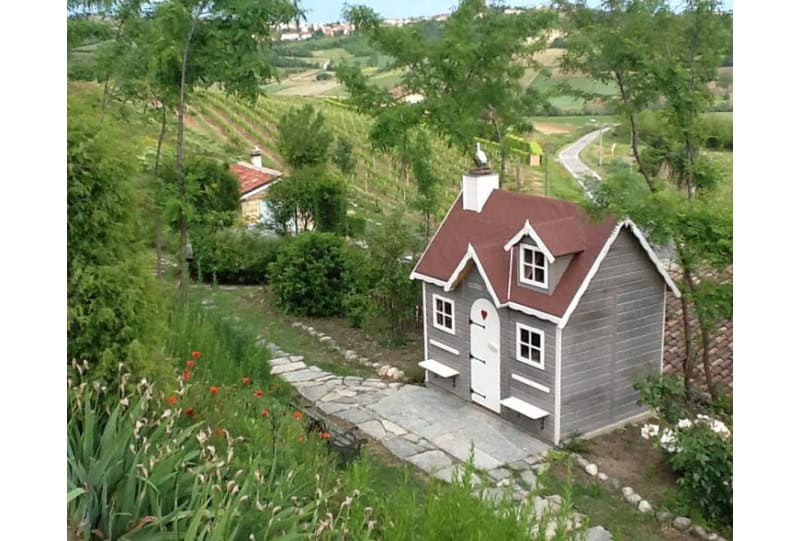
(484, 314)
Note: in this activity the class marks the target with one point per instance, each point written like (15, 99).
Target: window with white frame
(530, 346)
(443, 310)
(532, 266)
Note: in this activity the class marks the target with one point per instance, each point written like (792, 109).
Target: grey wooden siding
(613, 338)
(470, 290)
(510, 365)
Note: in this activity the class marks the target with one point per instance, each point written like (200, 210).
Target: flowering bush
(700, 451)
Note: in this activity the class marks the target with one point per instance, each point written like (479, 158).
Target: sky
(323, 11)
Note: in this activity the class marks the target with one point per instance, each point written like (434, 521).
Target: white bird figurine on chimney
(480, 158)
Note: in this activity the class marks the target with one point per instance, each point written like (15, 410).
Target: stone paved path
(432, 430)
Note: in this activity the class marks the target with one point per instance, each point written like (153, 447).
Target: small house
(254, 181)
(539, 314)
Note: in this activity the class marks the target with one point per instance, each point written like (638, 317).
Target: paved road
(569, 156)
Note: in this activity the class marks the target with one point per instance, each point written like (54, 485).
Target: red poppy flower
(245, 381)
(196, 354)
(190, 364)
(297, 415)
(259, 393)
(186, 375)
(214, 389)
(172, 399)
(189, 412)
(301, 439)
(218, 432)
(264, 412)
(325, 435)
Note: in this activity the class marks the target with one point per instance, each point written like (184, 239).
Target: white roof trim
(653, 257)
(532, 312)
(417, 276)
(529, 231)
(414, 274)
(603, 253)
(260, 189)
(472, 255)
(262, 169)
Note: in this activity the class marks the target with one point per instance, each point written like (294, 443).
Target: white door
(484, 353)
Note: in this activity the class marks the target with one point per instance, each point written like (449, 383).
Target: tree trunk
(159, 251)
(181, 111)
(705, 338)
(634, 133)
(104, 104)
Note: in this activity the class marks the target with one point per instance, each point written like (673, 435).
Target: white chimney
(477, 185)
(255, 157)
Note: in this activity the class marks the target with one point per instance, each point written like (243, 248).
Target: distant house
(254, 181)
(400, 93)
(537, 313)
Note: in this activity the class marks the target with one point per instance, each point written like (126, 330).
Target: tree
(330, 204)
(303, 138)
(312, 198)
(212, 192)
(429, 187)
(656, 56)
(470, 75)
(343, 155)
(222, 42)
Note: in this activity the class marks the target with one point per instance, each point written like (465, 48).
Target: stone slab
(431, 461)
(316, 392)
(300, 375)
(401, 447)
(456, 471)
(393, 428)
(356, 415)
(279, 361)
(333, 407)
(289, 367)
(374, 429)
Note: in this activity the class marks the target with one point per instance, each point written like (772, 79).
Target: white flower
(649, 431)
(668, 441)
(720, 428)
(685, 423)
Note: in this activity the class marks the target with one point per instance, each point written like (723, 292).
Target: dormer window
(532, 266)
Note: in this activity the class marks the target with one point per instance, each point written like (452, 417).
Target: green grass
(387, 80)
(336, 54)
(603, 507)
(262, 319)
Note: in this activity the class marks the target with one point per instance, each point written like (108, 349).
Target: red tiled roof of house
(563, 227)
(252, 177)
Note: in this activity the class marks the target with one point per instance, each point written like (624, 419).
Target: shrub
(324, 76)
(308, 276)
(113, 304)
(700, 451)
(665, 394)
(234, 256)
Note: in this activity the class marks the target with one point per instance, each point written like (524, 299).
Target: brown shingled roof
(564, 228)
(252, 177)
